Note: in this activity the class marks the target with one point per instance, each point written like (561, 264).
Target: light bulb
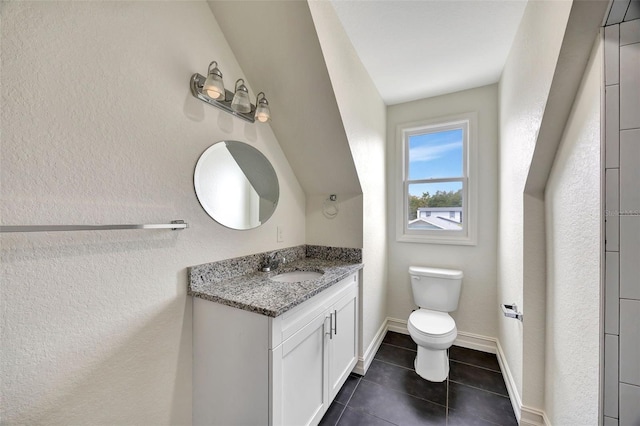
(213, 85)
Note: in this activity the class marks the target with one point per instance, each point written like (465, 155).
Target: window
(436, 201)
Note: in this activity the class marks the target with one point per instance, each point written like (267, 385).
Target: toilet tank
(436, 289)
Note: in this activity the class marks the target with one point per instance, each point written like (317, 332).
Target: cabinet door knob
(330, 326)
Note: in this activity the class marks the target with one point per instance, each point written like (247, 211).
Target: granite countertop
(256, 292)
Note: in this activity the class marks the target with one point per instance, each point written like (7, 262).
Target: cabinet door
(302, 374)
(343, 346)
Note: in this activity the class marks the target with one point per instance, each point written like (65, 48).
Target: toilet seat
(432, 324)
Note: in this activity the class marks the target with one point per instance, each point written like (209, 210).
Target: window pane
(435, 206)
(436, 155)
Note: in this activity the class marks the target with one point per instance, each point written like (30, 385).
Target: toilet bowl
(434, 332)
(436, 292)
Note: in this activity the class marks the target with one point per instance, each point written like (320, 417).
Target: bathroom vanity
(270, 352)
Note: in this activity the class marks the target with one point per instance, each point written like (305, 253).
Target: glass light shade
(241, 102)
(214, 87)
(263, 113)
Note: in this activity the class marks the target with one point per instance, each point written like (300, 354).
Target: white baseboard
(477, 342)
(527, 416)
(365, 360)
(533, 417)
(512, 389)
(464, 339)
(397, 325)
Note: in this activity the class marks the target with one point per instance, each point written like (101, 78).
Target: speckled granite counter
(240, 283)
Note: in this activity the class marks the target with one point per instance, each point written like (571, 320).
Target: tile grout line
(346, 404)
(487, 421)
(349, 400)
(446, 418)
(477, 366)
(405, 393)
(459, 362)
(453, 381)
(394, 364)
(480, 389)
(451, 359)
(340, 416)
(401, 347)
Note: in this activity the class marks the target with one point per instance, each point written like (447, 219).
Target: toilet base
(432, 364)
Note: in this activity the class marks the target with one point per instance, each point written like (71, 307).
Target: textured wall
(343, 230)
(363, 116)
(98, 126)
(573, 209)
(476, 313)
(524, 90)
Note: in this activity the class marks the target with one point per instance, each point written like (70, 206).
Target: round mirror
(236, 185)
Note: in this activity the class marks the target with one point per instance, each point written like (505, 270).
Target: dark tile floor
(391, 393)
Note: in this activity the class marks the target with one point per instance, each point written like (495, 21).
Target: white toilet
(436, 292)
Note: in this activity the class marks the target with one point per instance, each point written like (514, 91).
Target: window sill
(430, 239)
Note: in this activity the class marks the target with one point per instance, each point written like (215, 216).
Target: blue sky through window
(435, 155)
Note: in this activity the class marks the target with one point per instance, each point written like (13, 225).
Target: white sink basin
(296, 276)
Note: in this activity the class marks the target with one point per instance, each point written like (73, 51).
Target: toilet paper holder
(511, 311)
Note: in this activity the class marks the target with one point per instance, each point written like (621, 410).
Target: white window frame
(468, 234)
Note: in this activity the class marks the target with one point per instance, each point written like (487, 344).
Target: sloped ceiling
(276, 45)
(419, 49)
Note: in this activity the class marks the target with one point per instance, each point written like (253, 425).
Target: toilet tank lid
(424, 271)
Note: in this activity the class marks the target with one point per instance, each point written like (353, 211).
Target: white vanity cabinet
(251, 369)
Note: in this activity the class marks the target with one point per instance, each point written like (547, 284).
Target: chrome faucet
(271, 261)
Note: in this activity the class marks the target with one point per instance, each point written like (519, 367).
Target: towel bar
(174, 225)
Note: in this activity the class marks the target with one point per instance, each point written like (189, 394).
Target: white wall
(476, 312)
(342, 230)
(572, 204)
(277, 46)
(524, 90)
(99, 126)
(364, 118)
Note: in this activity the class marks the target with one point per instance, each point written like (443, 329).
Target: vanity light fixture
(211, 90)
(263, 113)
